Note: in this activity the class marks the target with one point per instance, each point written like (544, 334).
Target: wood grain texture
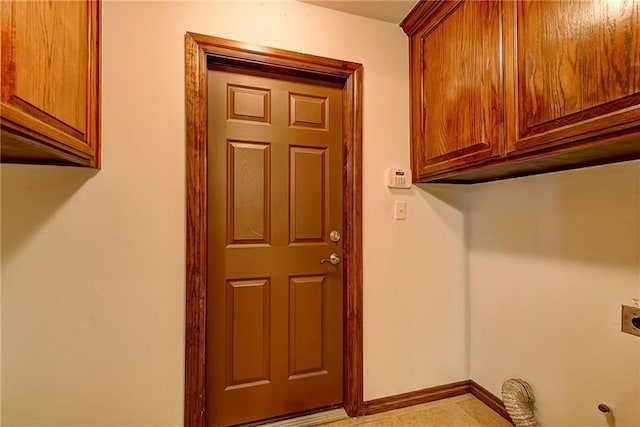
(576, 70)
(416, 397)
(582, 155)
(200, 50)
(196, 201)
(352, 250)
(50, 47)
(51, 81)
(456, 85)
(459, 81)
(571, 98)
(489, 399)
(417, 17)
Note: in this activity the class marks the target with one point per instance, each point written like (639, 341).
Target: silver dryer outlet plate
(631, 320)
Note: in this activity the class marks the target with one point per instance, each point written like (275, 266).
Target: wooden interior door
(274, 311)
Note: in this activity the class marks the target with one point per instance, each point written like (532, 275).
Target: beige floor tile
(341, 423)
(441, 416)
(481, 413)
(459, 411)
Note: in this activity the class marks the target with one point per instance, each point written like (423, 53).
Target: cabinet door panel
(576, 71)
(45, 77)
(458, 79)
(50, 85)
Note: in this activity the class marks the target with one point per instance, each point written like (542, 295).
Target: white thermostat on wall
(398, 178)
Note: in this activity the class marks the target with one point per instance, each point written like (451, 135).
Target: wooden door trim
(200, 50)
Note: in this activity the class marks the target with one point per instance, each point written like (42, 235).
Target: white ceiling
(392, 11)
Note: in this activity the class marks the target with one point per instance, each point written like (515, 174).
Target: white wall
(551, 259)
(93, 265)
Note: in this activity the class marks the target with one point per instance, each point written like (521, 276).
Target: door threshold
(311, 419)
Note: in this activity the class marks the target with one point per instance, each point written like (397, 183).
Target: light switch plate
(631, 320)
(400, 209)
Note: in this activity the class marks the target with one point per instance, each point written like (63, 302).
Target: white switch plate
(400, 210)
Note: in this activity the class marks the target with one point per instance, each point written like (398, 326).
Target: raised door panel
(248, 193)
(308, 194)
(574, 68)
(248, 333)
(308, 324)
(50, 66)
(457, 87)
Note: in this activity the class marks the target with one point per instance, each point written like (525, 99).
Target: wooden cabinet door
(573, 69)
(456, 85)
(50, 86)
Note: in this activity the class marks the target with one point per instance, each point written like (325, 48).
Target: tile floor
(459, 411)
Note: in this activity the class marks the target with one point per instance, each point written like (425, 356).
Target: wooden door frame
(200, 51)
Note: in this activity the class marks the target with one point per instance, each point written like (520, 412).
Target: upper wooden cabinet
(556, 82)
(457, 97)
(574, 68)
(50, 101)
